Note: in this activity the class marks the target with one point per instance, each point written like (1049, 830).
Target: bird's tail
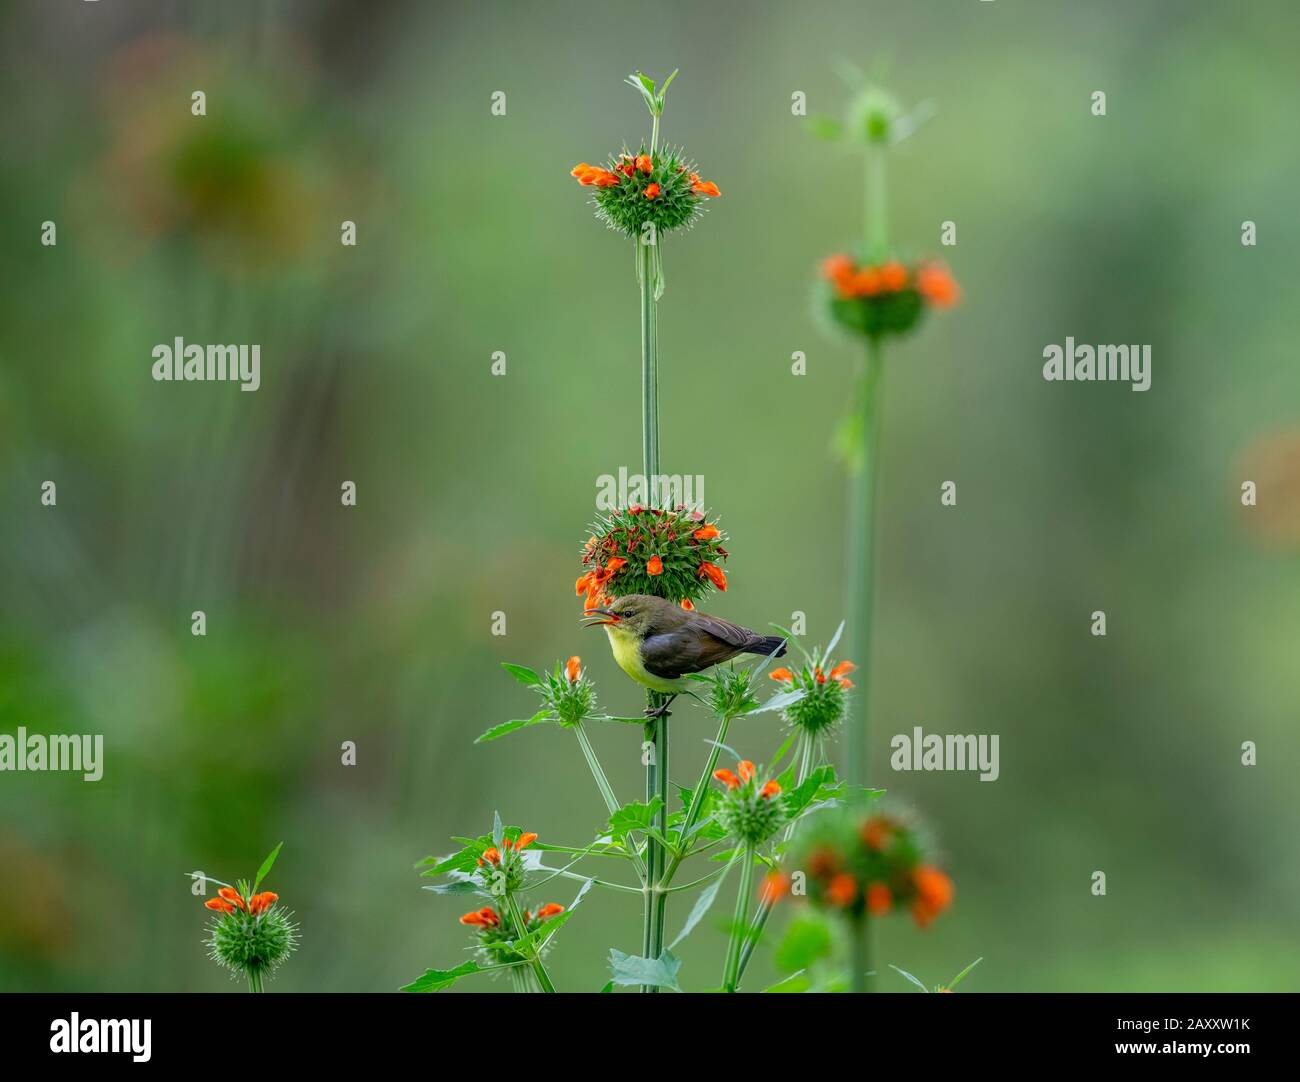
(772, 645)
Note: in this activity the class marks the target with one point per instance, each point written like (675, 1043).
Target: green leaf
(702, 905)
(806, 940)
(522, 673)
(511, 726)
(460, 886)
(498, 831)
(825, 127)
(266, 865)
(609, 986)
(909, 976)
(633, 816)
(796, 982)
(953, 983)
(629, 969)
(435, 980)
(779, 701)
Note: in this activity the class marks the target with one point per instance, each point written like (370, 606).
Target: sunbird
(658, 643)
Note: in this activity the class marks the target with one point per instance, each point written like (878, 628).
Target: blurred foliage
(372, 624)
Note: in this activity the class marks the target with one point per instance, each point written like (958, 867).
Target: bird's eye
(629, 612)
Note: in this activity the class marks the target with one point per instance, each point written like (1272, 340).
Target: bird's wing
(725, 630)
(685, 650)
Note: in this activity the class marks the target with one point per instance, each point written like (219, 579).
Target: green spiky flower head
(253, 937)
(750, 811)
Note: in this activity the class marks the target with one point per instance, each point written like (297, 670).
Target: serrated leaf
(522, 673)
(266, 865)
(507, 727)
(807, 939)
(435, 980)
(630, 969)
(634, 815)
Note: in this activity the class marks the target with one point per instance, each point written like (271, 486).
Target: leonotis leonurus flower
(644, 550)
(750, 812)
(502, 871)
(250, 933)
(889, 298)
(633, 189)
(823, 702)
(496, 930)
(862, 864)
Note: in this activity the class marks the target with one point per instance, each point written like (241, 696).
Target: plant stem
(861, 554)
(535, 958)
(739, 922)
(255, 980)
(860, 930)
(697, 802)
(766, 905)
(602, 783)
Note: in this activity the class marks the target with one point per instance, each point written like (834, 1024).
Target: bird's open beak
(591, 614)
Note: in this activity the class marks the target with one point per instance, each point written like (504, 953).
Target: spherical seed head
(821, 708)
(748, 817)
(253, 945)
(666, 196)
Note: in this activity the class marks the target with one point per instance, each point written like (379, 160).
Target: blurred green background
(372, 623)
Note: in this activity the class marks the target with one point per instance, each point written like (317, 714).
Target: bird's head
(634, 614)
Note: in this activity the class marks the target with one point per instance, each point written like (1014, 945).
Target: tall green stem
(602, 783)
(861, 553)
(860, 930)
(697, 802)
(767, 904)
(739, 921)
(534, 959)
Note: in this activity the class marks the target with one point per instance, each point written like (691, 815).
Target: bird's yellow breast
(626, 646)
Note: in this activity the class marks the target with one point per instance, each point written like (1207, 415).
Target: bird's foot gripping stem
(660, 711)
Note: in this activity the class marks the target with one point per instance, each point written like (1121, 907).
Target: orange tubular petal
(644, 163)
(654, 566)
(842, 890)
(727, 778)
(525, 840)
(706, 533)
(842, 669)
(218, 905)
(583, 584)
(745, 769)
(651, 191)
(492, 855)
(893, 277)
(573, 669)
(688, 604)
(714, 574)
(615, 564)
(880, 900)
(705, 187)
(550, 909)
(837, 268)
(232, 896)
(937, 286)
(472, 918)
(934, 889)
(769, 790)
(780, 674)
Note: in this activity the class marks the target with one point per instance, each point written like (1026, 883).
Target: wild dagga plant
(250, 933)
(641, 557)
(873, 296)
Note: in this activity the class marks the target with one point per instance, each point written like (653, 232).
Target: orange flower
(775, 887)
(745, 769)
(550, 909)
(484, 918)
(842, 890)
(654, 566)
(615, 564)
(589, 175)
(651, 190)
(727, 778)
(937, 286)
(706, 533)
(876, 833)
(573, 669)
(865, 283)
(644, 163)
(769, 790)
(232, 896)
(819, 675)
(893, 276)
(525, 840)
(841, 674)
(492, 856)
(879, 899)
(703, 187)
(780, 674)
(260, 903)
(218, 905)
(934, 893)
(688, 604)
(714, 574)
(837, 268)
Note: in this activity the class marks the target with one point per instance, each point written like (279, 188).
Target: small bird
(658, 643)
